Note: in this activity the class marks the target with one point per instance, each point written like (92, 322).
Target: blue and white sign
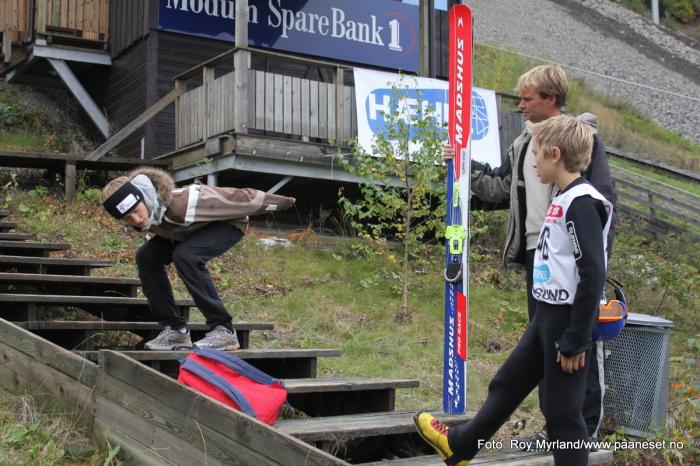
(375, 32)
(375, 97)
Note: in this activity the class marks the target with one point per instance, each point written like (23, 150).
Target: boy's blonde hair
(112, 187)
(573, 137)
(548, 80)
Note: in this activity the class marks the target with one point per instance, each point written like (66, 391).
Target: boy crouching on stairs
(569, 275)
(188, 227)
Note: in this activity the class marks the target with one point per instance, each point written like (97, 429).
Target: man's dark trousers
(190, 258)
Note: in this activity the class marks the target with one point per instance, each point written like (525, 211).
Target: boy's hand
(573, 363)
(448, 152)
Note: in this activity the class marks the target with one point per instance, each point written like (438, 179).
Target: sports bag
(234, 382)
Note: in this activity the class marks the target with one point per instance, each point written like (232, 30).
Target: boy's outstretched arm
(584, 221)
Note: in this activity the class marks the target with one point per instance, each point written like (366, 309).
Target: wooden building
(275, 113)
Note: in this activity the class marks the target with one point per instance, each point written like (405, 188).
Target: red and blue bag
(234, 382)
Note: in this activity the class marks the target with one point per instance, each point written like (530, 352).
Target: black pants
(190, 258)
(595, 365)
(533, 360)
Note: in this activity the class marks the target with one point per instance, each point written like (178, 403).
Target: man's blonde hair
(112, 187)
(548, 80)
(573, 137)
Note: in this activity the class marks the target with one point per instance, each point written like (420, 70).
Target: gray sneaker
(169, 339)
(219, 338)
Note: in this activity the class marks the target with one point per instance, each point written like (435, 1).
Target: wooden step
(4, 213)
(31, 248)
(51, 265)
(507, 458)
(332, 396)
(280, 363)
(69, 284)
(7, 226)
(16, 237)
(80, 334)
(340, 428)
(26, 307)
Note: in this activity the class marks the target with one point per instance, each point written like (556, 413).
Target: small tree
(402, 193)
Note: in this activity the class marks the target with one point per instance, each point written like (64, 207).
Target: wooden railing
(663, 211)
(86, 19)
(276, 104)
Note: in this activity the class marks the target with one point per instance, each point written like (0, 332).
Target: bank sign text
(375, 32)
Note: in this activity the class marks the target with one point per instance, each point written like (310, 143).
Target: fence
(85, 19)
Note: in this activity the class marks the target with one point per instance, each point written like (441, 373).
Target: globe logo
(480, 117)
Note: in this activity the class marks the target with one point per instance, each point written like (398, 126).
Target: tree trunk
(404, 315)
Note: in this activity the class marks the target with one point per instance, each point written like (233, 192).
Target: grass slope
(346, 296)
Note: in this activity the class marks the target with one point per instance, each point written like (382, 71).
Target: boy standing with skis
(190, 226)
(568, 278)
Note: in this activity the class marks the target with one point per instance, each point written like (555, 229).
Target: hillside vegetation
(345, 297)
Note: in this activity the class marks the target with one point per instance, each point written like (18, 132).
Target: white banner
(374, 93)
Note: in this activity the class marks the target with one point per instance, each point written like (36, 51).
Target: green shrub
(682, 10)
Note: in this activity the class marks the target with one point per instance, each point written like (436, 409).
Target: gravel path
(566, 32)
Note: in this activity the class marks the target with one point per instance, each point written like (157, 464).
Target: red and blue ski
(457, 231)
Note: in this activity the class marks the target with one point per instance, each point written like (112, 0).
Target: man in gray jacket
(542, 92)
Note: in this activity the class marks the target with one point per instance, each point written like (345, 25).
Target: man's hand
(448, 152)
(573, 363)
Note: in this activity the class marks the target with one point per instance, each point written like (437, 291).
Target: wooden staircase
(94, 360)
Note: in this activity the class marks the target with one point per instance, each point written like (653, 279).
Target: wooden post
(241, 64)
(70, 180)
(652, 209)
(424, 23)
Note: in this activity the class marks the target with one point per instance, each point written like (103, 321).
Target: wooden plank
(296, 106)
(207, 100)
(4, 213)
(24, 278)
(194, 407)
(16, 236)
(305, 107)
(46, 299)
(41, 16)
(501, 459)
(23, 373)
(358, 425)
(142, 442)
(260, 99)
(346, 133)
(167, 430)
(34, 245)
(331, 111)
(53, 261)
(103, 27)
(135, 124)
(5, 226)
(252, 99)
(116, 325)
(247, 354)
(64, 361)
(269, 102)
(72, 4)
(64, 13)
(287, 111)
(313, 109)
(350, 384)
(323, 110)
(279, 103)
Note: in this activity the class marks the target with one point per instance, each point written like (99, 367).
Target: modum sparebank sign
(375, 32)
